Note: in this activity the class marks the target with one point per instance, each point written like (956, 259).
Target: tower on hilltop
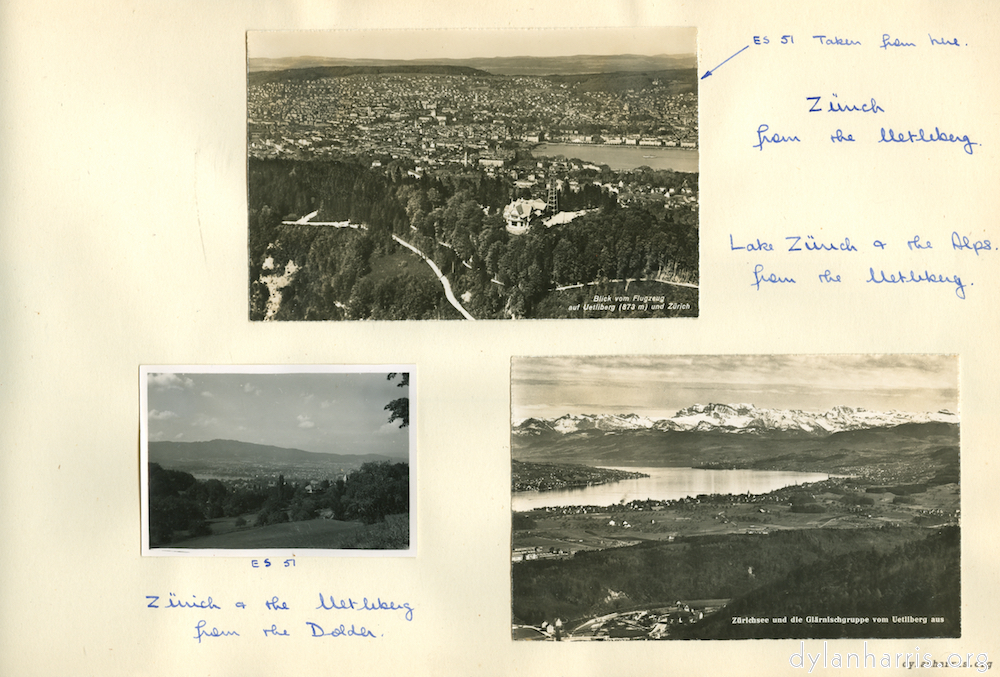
(553, 201)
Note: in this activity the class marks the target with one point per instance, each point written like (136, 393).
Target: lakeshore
(624, 157)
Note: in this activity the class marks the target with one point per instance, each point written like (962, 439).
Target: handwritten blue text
(763, 138)
(759, 277)
(943, 41)
(174, 603)
(937, 135)
(837, 107)
(887, 43)
(214, 632)
(961, 242)
(811, 245)
(757, 246)
(365, 605)
(846, 42)
(339, 631)
(903, 278)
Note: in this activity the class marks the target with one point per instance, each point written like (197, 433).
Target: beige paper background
(123, 242)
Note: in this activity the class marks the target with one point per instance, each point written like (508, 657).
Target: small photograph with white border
(279, 460)
(735, 497)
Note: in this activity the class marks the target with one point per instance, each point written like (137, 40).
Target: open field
(316, 533)
(843, 504)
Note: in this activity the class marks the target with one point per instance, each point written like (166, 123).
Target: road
(304, 221)
(437, 271)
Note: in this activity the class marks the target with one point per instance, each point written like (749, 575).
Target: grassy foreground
(322, 534)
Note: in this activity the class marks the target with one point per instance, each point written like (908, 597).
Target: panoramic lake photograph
(735, 497)
(313, 460)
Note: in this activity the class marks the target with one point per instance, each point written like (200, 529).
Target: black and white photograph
(472, 174)
(311, 460)
(735, 497)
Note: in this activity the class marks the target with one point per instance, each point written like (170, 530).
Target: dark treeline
(455, 218)
(917, 579)
(181, 506)
(809, 572)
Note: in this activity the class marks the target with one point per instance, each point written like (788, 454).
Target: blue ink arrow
(709, 72)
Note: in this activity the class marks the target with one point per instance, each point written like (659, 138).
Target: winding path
(437, 271)
(305, 221)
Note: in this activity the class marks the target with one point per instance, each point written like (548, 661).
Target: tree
(399, 409)
(564, 262)
(378, 489)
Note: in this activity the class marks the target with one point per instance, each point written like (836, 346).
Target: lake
(624, 157)
(666, 484)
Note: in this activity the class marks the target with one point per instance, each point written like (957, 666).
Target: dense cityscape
(436, 119)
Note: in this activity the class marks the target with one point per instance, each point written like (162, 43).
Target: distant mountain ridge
(178, 454)
(507, 65)
(734, 418)
(317, 72)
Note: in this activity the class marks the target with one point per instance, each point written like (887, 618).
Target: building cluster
(441, 119)
(653, 623)
(533, 552)
(545, 477)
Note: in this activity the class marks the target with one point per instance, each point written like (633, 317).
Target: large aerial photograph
(471, 174)
(242, 459)
(735, 497)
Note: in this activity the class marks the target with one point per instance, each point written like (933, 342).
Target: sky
(658, 386)
(469, 43)
(326, 412)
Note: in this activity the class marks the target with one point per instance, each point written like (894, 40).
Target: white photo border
(146, 370)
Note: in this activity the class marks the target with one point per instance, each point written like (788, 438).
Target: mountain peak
(738, 418)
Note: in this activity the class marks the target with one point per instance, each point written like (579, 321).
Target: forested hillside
(822, 572)
(181, 506)
(454, 218)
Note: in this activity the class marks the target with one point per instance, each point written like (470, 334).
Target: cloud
(326, 404)
(304, 421)
(156, 415)
(157, 436)
(248, 388)
(178, 436)
(169, 382)
(205, 393)
(204, 421)
(388, 429)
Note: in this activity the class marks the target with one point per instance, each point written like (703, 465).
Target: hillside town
(548, 476)
(648, 623)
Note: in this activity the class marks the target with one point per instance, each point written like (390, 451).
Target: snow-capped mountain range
(736, 418)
